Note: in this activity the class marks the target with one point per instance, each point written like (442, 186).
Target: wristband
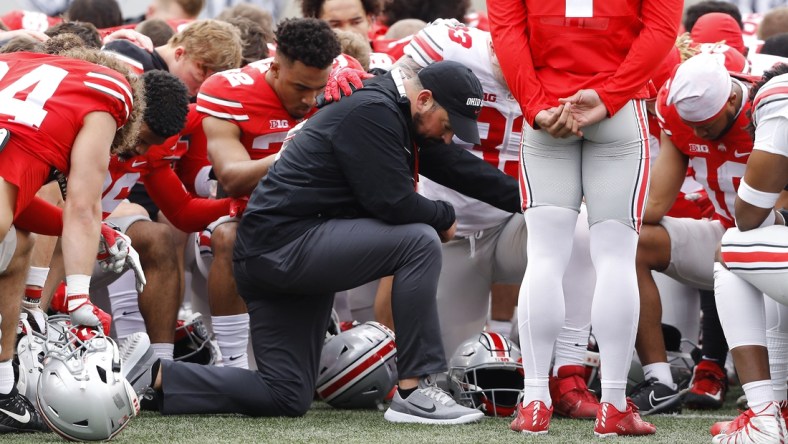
(77, 284)
(760, 199)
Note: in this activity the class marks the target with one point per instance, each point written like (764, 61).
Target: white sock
(661, 371)
(570, 348)
(163, 351)
(740, 307)
(777, 344)
(758, 393)
(500, 327)
(6, 377)
(614, 392)
(232, 336)
(537, 390)
(616, 307)
(124, 300)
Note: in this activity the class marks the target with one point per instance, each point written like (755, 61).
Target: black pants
(289, 293)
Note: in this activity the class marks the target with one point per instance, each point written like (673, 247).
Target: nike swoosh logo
(738, 154)
(715, 396)
(234, 358)
(136, 163)
(654, 400)
(126, 313)
(24, 419)
(429, 410)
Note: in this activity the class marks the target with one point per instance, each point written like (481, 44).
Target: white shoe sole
(399, 417)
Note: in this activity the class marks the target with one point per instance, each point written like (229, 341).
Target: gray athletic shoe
(429, 405)
(137, 357)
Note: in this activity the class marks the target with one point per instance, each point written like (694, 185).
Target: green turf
(324, 424)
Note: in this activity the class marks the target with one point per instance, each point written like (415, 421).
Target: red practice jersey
(552, 49)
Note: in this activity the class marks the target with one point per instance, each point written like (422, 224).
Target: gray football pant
(289, 293)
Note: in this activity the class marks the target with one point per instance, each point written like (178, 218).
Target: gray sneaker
(137, 357)
(429, 405)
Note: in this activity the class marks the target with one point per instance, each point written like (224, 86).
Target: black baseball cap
(456, 88)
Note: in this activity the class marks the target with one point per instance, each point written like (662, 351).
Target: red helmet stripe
(350, 375)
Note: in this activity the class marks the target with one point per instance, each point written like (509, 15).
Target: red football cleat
(612, 422)
(532, 419)
(570, 394)
(708, 387)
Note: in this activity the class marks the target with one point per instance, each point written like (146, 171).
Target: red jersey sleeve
(185, 211)
(508, 26)
(661, 20)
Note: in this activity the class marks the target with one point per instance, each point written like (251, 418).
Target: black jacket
(355, 159)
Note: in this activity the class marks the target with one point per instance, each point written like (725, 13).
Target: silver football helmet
(193, 342)
(357, 367)
(486, 372)
(31, 349)
(82, 394)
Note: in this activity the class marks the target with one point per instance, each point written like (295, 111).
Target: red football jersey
(29, 20)
(243, 97)
(44, 100)
(611, 46)
(718, 164)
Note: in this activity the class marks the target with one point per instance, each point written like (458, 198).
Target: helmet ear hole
(102, 374)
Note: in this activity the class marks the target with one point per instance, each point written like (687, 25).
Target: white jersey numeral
(30, 111)
(579, 8)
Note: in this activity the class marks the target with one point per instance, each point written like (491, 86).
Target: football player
(580, 72)
(752, 263)
(41, 131)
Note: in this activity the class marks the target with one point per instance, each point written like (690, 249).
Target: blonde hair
(213, 44)
(126, 137)
(354, 45)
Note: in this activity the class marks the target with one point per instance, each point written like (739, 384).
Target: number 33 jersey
(500, 120)
(44, 100)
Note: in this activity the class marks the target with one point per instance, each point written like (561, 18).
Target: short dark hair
(313, 8)
(158, 30)
(253, 39)
(84, 30)
(102, 13)
(776, 45)
(774, 71)
(307, 40)
(426, 10)
(168, 103)
(694, 12)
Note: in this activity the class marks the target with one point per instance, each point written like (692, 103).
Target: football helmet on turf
(193, 342)
(486, 372)
(82, 394)
(357, 367)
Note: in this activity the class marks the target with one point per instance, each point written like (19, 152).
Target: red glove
(237, 206)
(82, 311)
(341, 79)
(117, 254)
